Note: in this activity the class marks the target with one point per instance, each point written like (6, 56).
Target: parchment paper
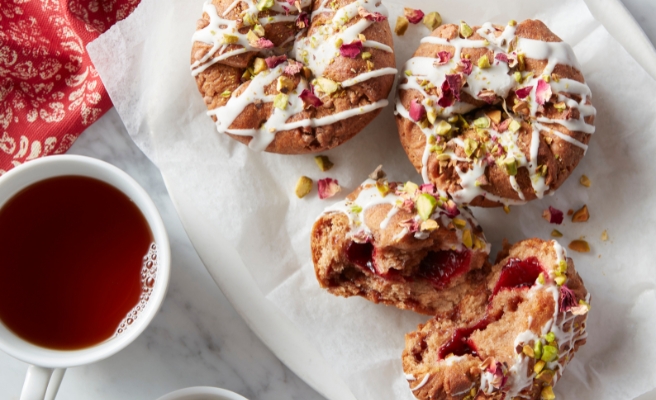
(143, 62)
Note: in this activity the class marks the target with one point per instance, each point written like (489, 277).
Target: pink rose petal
(371, 16)
(303, 20)
(467, 64)
(262, 43)
(408, 205)
(274, 61)
(309, 99)
(567, 299)
(427, 188)
(293, 68)
(414, 16)
(351, 50)
(501, 57)
(503, 126)
(447, 98)
(444, 57)
(451, 209)
(524, 92)
(553, 215)
(328, 187)
(455, 84)
(487, 96)
(543, 92)
(417, 111)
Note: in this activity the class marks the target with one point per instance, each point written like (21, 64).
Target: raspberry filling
(440, 267)
(515, 274)
(518, 273)
(361, 254)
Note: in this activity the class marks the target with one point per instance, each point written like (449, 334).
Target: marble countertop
(197, 339)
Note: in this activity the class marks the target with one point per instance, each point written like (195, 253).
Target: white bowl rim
(221, 394)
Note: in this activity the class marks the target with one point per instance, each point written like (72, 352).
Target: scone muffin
(494, 115)
(399, 244)
(510, 337)
(293, 77)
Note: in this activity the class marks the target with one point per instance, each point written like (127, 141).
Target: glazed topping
(339, 36)
(430, 211)
(491, 138)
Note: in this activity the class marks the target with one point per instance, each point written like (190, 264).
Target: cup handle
(41, 382)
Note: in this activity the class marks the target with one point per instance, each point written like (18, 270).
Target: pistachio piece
(494, 115)
(604, 235)
(323, 162)
(410, 188)
(528, 350)
(560, 106)
(483, 62)
(506, 208)
(365, 55)
(465, 30)
(259, 66)
(482, 122)
(470, 146)
(467, 238)
(459, 222)
(585, 181)
(284, 84)
(431, 115)
(442, 128)
(560, 280)
(518, 76)
(249, 19)
(539, 366)
(429, 225)
(230, 39)
(383, 187)
(432, 20)
(550, 337)
(579, 245)
(280, 101)
(510, 164)
(226, 94)
(339, 42)
(546, 376)
(327, 86)
(402, 24)
(425, 205)
(547, 393)
(303, 187)
(549, 353)
(581, 215)
(537, 349)
(514, 126)
(556, 233)
(259, 30)
(541, 278)
(263, 5)
(512, 22)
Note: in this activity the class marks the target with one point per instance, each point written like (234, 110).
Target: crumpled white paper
(144, 63)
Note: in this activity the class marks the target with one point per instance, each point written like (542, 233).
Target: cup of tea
(84, 265)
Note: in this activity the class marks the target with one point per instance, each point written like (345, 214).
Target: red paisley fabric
(49, 90)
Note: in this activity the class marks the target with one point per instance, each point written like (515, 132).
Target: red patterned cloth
(49, 90)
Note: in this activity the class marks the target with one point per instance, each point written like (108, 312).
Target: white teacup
(47, 365)
(202, 393)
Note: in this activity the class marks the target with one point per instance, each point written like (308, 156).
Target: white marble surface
(197, 338)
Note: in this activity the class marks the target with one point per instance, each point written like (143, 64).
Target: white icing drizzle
(410, 377)
(497, 79)
(422, 383)
(316, 52)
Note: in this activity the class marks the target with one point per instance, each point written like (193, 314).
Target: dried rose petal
(503, 126)
(488, 96)
(451, 209)
(523, 92)
(543, 92)
(567, 298)
(274, 61)
(468, 66)
(351, 50)
(262, 43)
(408, 205)
(501, 57)
(309, 99)
(293, 68)
(455, 84)
(371, 16)
(427, 188)
(447, 98)
(512, 60)
(302, 21)
(553, 215)
(443, 57)
(414, 16)
(417, 111)
(499, 378)
(411, 224)
(328, 187)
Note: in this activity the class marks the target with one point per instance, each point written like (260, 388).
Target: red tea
(72, 266)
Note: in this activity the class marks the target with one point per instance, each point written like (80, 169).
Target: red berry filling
(361, 254)
(459, 344)
(440, 267)
(518, 273)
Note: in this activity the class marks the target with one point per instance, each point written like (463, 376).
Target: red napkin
(49, 90)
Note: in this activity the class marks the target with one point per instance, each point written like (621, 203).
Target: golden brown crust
(226, 75)
(559, 156)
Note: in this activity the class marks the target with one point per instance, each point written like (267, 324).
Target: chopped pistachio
(514, 126)
(539, 366)
(327, 86)
(537, 349)
(482, 122)
(546, 376)
(249, 19)
(541, 279)
(550, 337)
(303, 187)
(425, 205)
(510, 164)
(547, 393)
(339, 42)
(432, 20)
(483, 62)
(259, 30)
(579, 245)
(284, 84)
(248, 74)
(512, 22)
(429, 225)
(465, 30)
(366, 55)
(459, 222)
(560, 280)
(431, 115)
(562, 266)
(470, 146)
(407, 72)
(410, 188)
(561, 106)
(506, 208)
(259, 65)
(520, 61)
(556, 233)
(549, 353)
(604, 235)
(581, 215)
(264, 4)
(494, 115)
(323, 162)
(226, 94)
(280, 101)
(402, 24)
(356, 209)
(370, 65)
(230, 39)
(585, 181)
(442, 128)
(362, 37)
(467, 238)
(528, 350)
(518, 76)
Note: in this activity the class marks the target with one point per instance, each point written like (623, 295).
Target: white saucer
(202, 393)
